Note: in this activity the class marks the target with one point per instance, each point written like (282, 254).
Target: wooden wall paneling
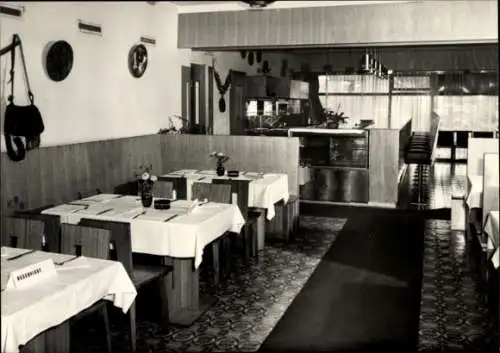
(32, 175)
(96, 167)
(377, 24)
(112, 152)
(248, 153)
(59, 171)
(183, 36)
(273, 35)
(13, 184)
(82, 181)
(228, 20)
(46, 174)
(69, 163)
(383, 165)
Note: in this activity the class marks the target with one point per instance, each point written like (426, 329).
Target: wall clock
(138, 60)
(58, 60)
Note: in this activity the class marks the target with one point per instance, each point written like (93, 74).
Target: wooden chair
(163, 189)
(90, 242)
(51, 230)
(88, 193)
(212, 192)
(139, 274)
(179, 185)
(221, 194)
(23, 233)
(239, 190)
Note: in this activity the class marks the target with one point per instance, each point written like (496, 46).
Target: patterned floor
(248, 306)
(440, 180)
(453, 313)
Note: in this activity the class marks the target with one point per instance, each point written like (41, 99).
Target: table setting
(182, 230)
(41, 290)
(265, 189)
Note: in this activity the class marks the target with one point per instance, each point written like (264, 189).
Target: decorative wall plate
(58, 60)
(138, 60)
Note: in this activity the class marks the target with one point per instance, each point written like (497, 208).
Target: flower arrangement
(221, 159)
(145, 174)
(146, 179)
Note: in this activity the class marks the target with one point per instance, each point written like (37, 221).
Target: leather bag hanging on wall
(21, 121)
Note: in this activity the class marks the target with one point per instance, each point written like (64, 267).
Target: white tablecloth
(79, 284)
(263, 191)
(183, 236)
(474, 191)
(491, 228)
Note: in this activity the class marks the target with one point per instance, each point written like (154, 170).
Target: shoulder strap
(16, 39)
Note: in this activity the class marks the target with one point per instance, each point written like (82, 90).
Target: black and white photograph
(249, 176)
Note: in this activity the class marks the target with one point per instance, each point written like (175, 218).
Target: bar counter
(356, 166)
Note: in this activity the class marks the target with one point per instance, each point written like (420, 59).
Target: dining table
(264, 189)
(178, 235)
(42, 307)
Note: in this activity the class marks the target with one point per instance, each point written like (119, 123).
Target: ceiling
(196, 3)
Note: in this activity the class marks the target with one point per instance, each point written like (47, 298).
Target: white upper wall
(213, 6)
(100, 99)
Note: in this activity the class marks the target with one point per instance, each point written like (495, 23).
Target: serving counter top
(325, 131)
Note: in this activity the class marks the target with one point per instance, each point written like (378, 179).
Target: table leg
(261, 229)
(185, 304)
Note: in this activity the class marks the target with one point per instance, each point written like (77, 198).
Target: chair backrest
(212, 192)
(163, 189)
(475, 153)
(85, 241)
(88, 193)
(240, 188)
(491, 184)
(179, 184)
(23, 233)
(130, 188)
(52, 229)
(119, 240)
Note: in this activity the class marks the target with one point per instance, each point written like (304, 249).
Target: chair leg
(215, 263)
(133, 328)
(226, 256)
(105, 317)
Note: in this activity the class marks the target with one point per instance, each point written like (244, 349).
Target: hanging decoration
(250, 58)
(265, 67)
(221, 87)
(258, 57)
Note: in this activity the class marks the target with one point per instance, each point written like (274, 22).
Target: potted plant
(333, 119)
(221, 159)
